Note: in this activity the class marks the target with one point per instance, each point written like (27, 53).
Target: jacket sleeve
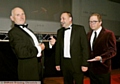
(58, 50)
(84, 45)
(111, 47)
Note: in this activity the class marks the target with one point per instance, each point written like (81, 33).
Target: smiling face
(66, 20)
(95, 22)
(18, 16)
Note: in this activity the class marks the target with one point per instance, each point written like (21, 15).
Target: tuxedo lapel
(62, 38)
(99, 37)
(72, 35)
(26, 34)
(89, 36)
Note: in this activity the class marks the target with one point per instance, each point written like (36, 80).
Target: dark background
(45, 10)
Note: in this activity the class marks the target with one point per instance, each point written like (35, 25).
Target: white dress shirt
(92, 36)
(34, 39)
(67, 35)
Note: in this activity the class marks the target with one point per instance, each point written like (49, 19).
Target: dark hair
(69, 14)
(53, 37)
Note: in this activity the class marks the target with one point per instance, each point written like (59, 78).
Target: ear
(11, 17)
(100, 22)
(70, 18)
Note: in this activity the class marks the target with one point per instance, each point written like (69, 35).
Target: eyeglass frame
(94, 22)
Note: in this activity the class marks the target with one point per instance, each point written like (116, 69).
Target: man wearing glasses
(102, 46)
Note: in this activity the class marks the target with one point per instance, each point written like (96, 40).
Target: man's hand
(84, 69)
(58, 68)
(52, 40)
(42, 46)
(97, 58)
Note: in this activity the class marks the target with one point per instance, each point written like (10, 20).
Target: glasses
(93, 22)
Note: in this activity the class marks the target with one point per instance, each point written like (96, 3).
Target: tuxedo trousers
(69, 74)
(99, 78)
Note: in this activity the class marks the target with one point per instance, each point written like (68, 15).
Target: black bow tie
(23, 26)
(66, 28)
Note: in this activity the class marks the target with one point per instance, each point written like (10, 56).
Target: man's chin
(22, 23)
(62, 25)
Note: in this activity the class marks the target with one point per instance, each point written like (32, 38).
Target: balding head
(18, 16)
(66, 19)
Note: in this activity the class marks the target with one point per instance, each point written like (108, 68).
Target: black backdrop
(8, 63)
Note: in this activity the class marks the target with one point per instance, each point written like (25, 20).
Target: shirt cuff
(39, 51)
(101, 60)
(50, 46)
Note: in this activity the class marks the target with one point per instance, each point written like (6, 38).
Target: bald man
(25, 46)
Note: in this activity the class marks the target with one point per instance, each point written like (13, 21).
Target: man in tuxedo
(25, 46)
(71, 50)
(102, 46)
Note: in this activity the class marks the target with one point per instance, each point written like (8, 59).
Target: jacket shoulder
(109, 32)
(75, 25)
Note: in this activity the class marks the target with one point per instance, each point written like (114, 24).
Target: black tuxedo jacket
(26, 52)
(78, 47)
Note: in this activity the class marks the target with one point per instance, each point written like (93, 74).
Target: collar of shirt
(98, 31)
(70, 27)
(22, 26)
